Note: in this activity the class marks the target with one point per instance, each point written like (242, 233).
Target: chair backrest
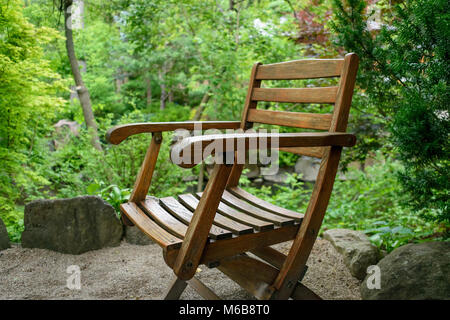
(339, 95)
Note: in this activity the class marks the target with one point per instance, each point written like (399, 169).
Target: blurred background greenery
(187, 59)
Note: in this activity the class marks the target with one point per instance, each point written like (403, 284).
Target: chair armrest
(119, 133)
(189, 151)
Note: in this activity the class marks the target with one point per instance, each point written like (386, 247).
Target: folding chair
(222, 225)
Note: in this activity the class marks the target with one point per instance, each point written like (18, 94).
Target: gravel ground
(139, 272)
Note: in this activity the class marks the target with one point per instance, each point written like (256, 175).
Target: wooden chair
(222, 225)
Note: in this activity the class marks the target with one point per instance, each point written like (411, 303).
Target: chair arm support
(190, 151)
(119, 133)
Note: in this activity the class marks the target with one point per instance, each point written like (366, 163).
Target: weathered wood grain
(325, 95)
(291, 119)
(300, 69)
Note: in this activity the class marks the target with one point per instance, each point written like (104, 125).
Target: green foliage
(206, 46)
(28, 101)
(293, 195)
(370, 201)
(75, 168)
(404, 73)
(13, 220)
(112, 194)
(142, 56)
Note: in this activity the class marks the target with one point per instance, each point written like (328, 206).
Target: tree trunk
(201, 107)
(162, 73)
(148, 91)
(162, 103)
(162, 85)
(83, 93)
(170, 95)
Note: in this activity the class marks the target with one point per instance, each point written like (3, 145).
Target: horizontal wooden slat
(191, 202)
(178, 210)
(242, 217)
(270, 255)
(291, 119)
(300, 69)
(296, 95)
(149, 227)
(217, 250)
(231, 200)
(242, 194)
(316, 152)
(163, 218)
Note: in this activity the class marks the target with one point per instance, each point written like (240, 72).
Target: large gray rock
(308, 167)
(72, 225)
(357, 250)
(280, 176)
(253, 171)
(135, 236)
(4, 239)
(413, 272)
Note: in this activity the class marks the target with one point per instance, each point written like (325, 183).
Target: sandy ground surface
(139, 272)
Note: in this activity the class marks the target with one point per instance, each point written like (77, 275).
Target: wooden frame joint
(248, 125)
(158, 137)
(225, 158)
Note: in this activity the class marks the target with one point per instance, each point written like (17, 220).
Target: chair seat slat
(242, 194)
(257, 224)
(149, 227)
(232, 200)
(192, 202)
(182, 213)
(165, 219)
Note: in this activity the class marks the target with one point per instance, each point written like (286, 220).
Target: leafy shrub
(28, 100)
(76, 168)
(372, 201)
(293, 195)
(404, 71)
(112, 194)
(369, 201)
(13, 220)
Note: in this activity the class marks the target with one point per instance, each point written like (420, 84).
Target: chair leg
(202, 290)
(302, 292)
(175, 289)
(251, 274)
